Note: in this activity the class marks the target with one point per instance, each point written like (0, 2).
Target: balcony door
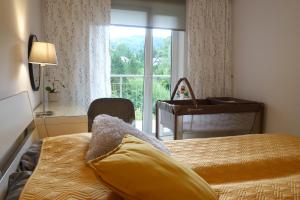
(141, 71)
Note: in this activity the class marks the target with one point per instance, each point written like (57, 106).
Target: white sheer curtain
(80, 31)
(209, 59)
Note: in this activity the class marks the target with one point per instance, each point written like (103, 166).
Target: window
(128, 66)
(141, 69)
(147, 46)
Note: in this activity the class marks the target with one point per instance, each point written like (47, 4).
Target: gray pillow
(108, 132)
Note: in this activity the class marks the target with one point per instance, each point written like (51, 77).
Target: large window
(148, 60)
(141, 69)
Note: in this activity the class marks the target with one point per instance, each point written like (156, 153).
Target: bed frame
(17, 133)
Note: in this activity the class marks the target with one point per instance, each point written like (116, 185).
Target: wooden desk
(66, 119)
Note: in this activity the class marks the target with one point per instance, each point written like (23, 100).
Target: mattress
(240, 167)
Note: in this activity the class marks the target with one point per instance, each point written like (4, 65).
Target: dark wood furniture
(218, 114)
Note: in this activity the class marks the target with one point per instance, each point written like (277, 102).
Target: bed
(256, 166)
(238, 167)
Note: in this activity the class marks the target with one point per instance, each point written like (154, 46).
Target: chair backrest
(117, 107)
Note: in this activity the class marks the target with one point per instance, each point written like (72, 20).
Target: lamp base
(46, 113)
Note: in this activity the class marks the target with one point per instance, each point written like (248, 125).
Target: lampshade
(43, 53)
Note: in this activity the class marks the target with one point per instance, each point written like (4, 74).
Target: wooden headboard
(17, 133)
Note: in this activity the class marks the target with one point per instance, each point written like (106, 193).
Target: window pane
(162, 63)
(127, 66)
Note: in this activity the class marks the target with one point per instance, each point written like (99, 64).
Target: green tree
(127, 57)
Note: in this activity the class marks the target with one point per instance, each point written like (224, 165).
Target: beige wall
(267, 59)
(18, 18)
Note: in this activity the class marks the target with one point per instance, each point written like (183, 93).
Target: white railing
(121, 84)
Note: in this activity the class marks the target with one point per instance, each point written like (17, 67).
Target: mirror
(34, 69)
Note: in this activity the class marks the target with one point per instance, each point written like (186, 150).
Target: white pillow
(108, 132)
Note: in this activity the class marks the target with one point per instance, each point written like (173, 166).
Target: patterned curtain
(209, 47)
(80, 31)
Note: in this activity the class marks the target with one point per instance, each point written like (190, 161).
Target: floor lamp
(44, 54)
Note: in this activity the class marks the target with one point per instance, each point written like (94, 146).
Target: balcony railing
(119, 85)
(132, 87)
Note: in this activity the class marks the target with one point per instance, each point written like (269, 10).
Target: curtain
(80, 31)
(209, 47)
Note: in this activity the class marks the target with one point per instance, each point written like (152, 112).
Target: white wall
(18, 18)
(266, 59)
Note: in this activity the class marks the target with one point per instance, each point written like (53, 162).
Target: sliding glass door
(141, 69)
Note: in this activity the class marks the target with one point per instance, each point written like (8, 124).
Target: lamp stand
(44, 112)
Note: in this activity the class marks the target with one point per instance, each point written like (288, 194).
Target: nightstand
(66, 119)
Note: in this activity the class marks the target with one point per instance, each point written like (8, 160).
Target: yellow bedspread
(261, 166)
(239, 167)
(62, 174)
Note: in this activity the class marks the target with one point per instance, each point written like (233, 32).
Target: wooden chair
(117, 107)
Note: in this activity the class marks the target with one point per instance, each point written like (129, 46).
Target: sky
(121, 32)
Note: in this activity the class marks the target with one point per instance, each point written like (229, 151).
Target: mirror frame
(33, 38)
